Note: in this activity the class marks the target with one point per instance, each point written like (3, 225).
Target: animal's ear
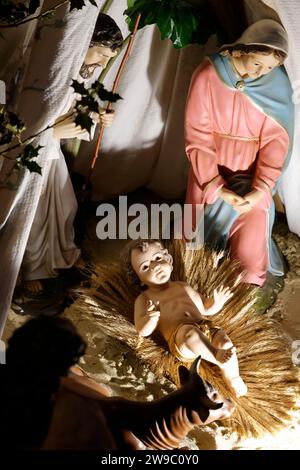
(209, 404)
(195, 366)
(184, 375)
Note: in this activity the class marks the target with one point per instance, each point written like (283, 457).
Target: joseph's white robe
(51, 241)
(38, 61)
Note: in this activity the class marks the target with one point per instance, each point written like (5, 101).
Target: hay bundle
(262, 347)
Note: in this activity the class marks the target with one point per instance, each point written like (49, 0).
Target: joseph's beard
(86, 71)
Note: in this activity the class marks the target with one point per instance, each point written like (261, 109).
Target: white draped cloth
(288, 12)
(145, 145)
(38, 62)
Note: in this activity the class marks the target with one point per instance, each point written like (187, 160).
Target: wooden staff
(109, 105)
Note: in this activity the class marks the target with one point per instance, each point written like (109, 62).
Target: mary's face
(97, 56)
(256, 64)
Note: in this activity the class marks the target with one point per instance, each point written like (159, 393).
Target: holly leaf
(76, 4)
(25, 159)
(33, 167)
(84, 121)
(15, 124)
(5, 137)
(103, 94)
(30, 152)
(88, 102)
(79, 87)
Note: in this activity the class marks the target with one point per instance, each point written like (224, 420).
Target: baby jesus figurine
(179, 312)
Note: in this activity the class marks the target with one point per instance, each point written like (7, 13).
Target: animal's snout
(212, 392)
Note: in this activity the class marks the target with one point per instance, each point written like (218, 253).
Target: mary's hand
(241, 204)
(231, 198)
(254, 197)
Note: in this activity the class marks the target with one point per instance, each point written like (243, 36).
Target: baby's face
(154, 266)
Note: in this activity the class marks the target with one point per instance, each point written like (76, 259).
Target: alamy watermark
(162, 221)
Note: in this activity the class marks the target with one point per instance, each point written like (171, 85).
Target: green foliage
(89, 101)
(97, 89)
(79, 87)
(79, 4)
(183, 22)
(76, 4)
(12, 12)
(83, 120)
(10, 126)
(26, 159)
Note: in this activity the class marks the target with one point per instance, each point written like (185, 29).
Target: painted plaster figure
(51, 242)
(238, 131)
(179, 312)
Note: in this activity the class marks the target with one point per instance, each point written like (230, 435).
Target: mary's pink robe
(226, 134)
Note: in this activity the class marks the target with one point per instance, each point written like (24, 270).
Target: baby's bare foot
(223, 355)
(237, 385)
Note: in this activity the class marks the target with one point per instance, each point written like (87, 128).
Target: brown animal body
(83, 418)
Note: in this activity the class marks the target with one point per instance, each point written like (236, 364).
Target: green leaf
(177, 20)
(165, 20)
(183, 29)
(5, 137)
(25, 159)
(84, 121)
(130, 3)
(33, 167)
(76, 4)
(79, 87)
(103, 94)
(88, 102)
(30, 152)
(145, 7)
(15, 122)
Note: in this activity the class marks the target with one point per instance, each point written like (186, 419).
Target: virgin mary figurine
(238, 133)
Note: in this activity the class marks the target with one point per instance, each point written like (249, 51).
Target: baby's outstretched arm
(207, 306)
(221, 296)
(146, 315)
